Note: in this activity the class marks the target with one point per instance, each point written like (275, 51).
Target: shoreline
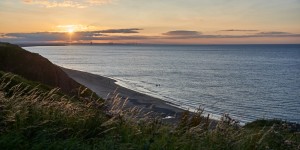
(102, 86)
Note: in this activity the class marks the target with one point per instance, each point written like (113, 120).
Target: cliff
(34, 67)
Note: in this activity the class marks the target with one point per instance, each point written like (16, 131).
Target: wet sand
(102, 86)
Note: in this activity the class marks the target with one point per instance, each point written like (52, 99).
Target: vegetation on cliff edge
(34, 117)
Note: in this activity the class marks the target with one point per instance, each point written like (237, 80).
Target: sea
(248, 82)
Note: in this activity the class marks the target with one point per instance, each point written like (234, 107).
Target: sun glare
(70, 30)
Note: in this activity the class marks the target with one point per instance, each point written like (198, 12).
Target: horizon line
(166, 44)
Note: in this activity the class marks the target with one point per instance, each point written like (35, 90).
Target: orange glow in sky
(155, 21)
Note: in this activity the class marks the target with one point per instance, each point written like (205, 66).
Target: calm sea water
(246, 81)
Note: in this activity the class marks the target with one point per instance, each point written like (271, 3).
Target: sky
(151, 21)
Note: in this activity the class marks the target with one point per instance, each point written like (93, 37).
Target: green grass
(14, 79)
(38, 117)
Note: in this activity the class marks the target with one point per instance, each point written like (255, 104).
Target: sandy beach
(102, 86)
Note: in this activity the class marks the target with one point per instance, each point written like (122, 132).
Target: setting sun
(70, 30)
(184, 22)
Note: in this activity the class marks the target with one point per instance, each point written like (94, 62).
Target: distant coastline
(146, 44)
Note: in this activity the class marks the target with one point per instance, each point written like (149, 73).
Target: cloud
(66, 3)
(77, 36)
(178, 34)
(126, 35)
(105, 32)
(274, 33)
(5, 36)
(182, 33)
(130, 30)
(38, 36)
(238, 30)
(121, 38)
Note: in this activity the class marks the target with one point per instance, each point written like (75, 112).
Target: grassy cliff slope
(34, 67)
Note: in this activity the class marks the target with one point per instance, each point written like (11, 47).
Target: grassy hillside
(34, 67)
(33, 117)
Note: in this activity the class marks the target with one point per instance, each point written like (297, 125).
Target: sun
(70, 30)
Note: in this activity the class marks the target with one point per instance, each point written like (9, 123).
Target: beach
(103, 86)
